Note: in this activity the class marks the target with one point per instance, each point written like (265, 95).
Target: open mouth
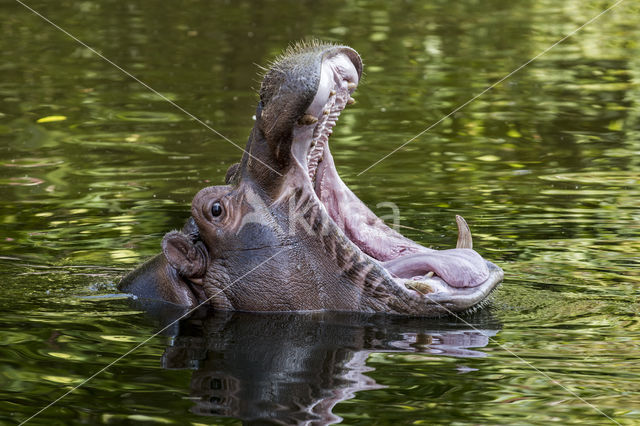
(416, 269)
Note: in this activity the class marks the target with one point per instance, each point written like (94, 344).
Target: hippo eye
(216, 209)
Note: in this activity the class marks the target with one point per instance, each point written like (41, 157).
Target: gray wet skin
(286, 234)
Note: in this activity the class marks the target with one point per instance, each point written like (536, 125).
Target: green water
(545, 167)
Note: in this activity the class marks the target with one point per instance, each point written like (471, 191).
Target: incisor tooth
(464, 234)
(351, 86)
(332, 93)
(307, 119)
(351, 101)
(419, 286)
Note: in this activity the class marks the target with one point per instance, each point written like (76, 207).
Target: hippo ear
(189, 259)
(231, 177)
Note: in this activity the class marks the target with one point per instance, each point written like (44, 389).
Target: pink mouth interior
(403, 258)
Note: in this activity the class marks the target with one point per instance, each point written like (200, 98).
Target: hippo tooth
(307, 119)
(326, 111)
(419, 286)
(429, 274)
(464, 234)
(332, 92)
(352, 86)
(351, 101)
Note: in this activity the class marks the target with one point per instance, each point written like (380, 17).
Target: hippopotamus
(285, 233)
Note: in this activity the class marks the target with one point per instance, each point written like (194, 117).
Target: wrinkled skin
(286, 234)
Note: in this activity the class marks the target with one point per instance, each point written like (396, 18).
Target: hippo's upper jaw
(288, 234)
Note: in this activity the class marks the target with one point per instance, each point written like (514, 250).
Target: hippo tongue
(457, 267)
(403, 258)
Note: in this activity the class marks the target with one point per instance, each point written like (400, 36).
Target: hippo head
(286, 233)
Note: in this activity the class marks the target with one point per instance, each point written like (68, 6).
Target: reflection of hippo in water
(293, 368)
(286, 234)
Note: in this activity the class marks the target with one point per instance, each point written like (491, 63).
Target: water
(545, 168)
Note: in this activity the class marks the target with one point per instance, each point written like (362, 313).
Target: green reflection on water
(545, 168)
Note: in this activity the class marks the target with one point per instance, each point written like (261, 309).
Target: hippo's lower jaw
(456, 279)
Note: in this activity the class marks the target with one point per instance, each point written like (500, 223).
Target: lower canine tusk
(464, 234)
